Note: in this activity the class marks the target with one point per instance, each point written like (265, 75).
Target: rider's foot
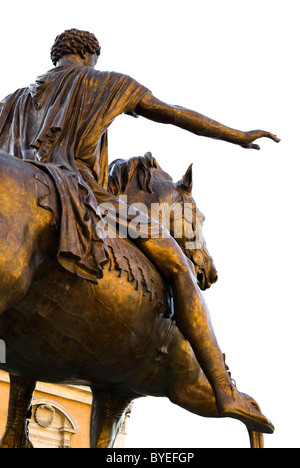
(231, 403)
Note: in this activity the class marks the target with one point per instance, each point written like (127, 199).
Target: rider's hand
(254, 135)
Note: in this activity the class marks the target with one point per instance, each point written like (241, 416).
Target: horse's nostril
(201, 280)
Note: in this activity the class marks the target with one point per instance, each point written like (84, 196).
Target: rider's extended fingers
(269, 135)
(274, 138)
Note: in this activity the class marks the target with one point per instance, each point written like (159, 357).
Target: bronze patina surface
(93, 290)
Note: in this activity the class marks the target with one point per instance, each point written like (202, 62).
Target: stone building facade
(60, 415)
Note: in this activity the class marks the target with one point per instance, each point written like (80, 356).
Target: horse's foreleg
(199, 399)
(189, 388)
(256, 440)
(107, 416)
(20, 397)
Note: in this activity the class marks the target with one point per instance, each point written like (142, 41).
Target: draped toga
(60, 124)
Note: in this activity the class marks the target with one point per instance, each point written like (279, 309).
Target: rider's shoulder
(111, 78)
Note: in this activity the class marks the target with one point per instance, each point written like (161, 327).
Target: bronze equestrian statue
(60, 319)
(68, 330)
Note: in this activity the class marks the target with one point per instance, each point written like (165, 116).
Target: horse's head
(186, 227)
(153, 191)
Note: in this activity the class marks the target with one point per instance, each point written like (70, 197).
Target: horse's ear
(187, 180)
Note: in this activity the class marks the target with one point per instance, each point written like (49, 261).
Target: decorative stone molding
(44, 415)
(51, 425)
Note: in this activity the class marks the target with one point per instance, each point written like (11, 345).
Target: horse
(119, 336)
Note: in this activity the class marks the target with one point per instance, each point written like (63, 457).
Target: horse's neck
(155, 205)
(135, 196)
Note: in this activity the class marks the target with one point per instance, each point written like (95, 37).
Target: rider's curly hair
(74, 41)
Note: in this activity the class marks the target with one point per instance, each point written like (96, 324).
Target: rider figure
(60, 122)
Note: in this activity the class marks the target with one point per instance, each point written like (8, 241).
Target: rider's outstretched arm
(158, 111)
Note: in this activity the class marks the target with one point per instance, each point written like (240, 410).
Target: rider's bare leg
(193, 320)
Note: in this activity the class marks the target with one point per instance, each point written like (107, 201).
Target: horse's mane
(121, 172)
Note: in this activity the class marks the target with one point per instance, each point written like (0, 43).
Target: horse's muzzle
(213, 276)
(207, 278)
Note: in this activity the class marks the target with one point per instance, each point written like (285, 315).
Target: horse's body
(26, 231)
(117, 337)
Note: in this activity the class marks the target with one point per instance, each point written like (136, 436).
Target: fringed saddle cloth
(130, 261)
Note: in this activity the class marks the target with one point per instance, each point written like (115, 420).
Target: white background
(236, 62)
